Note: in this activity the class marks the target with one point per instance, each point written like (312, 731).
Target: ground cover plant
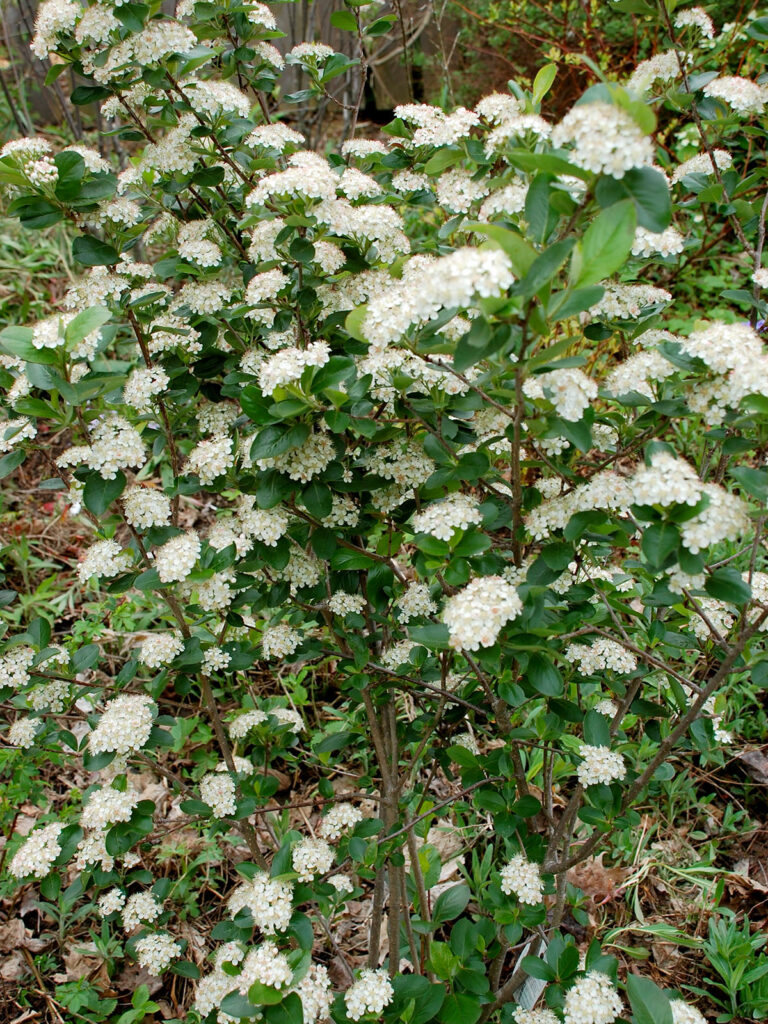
(405, 486)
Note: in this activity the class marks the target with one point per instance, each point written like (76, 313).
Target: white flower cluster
(15, 665)
(522, 878)
(142, 386)
(108, 806)
(36, 855)
(627, 301)
(211, 459)
(141, 907)
(286, 366)
(306, 461)
(743, 95)
(279, 641)
(592, 999)
(312, 857)
(605, 490)
(522, 1016)
(696, 17)
(242, 725)
(450, 281)
(605, 138)
(269, 901)
(600, 764)
(476, 615)
(22, 733)
(124, 726)
(667, 481)
(569, 390)
(702, 163)
(146, 507)
(369, 994)
(104, 558)
(159, 649)
(442, 518)
(600, 655)
(112, 902)
(684, 1013)
(342, 603)
(215, 660)
(340, 819)
(217, 789)
(665, 243)
(157, 952)
(662, 67)
(415, 602)
(176, 559)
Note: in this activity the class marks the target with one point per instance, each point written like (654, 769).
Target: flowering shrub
(408, 421)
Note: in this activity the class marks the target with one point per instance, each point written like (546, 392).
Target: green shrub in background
(401, 477)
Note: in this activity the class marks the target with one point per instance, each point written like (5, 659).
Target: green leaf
(98, 493)
(450, 904)
(186, 969)
(18, 342)
(521, 253)
(605, 246)
(649, 1004)
(264, 995)
(543, 676)
(92, 252)
(85, 323)
(658, 543)
(238, 1006)
(753, 481)
(647, 189)
(543, 81)
(545, 267)
(11, 461)
(289, 1011)
(536, 968)
(726, 584)
(344, 20)
(275, 440)
(538, 213)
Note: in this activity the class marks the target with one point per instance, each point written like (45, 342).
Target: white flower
(215, 660)
(312, 857)
(242, 725)
(600, 765)
(279, 641)
(760, 277)
(217, 789)
(146, 507)
(108, 806)
(125, 725)
(476, 615)
(665, 243)
(415, 602)
(702, 164)
(176, 559)
(592, 1000)
(744, 96)
(340, 819)
(369, 994)
(600, 655)
(696, 17)
(569, 390)
(343, 884)
(269, 901)
(111, 901)
(442, 518)
(156, 952)
(522, 878)
(104, 558)
(684, 1013)
(342, 603)
(211, 459)
(22, 733)
(141, 907)
(286, 367)
(38, 852)
(606, 139)
(160, 649)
